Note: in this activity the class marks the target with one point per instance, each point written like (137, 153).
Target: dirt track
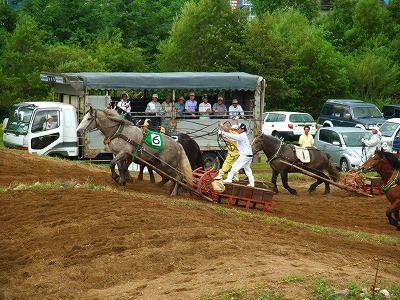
(137, 243)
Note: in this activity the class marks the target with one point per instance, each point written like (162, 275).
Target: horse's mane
(392, 158)
(114, 116)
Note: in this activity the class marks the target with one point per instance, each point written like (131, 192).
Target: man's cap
(220, 98)
(191, 94)
(126, 94)
(234, 101)
(234, 126)
(243, 126)
(154, 96)
(204, 97)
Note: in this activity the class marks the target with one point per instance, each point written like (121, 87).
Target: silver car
(343, 145)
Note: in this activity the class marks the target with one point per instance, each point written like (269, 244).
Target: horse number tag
(154, 140)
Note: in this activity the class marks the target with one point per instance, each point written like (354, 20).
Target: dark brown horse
(388, 166)
(276, 150)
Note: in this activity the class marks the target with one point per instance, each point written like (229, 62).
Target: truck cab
(25, 128)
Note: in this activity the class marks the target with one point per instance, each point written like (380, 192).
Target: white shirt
(235, 111)
(203, 108)
(125, 104)
(373, 143)
(243, 143)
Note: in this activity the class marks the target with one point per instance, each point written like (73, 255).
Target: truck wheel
(211, 160)
(344, 165)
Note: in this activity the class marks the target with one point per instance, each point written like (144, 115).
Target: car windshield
(366, 112)
(301, 118)
(388, 128)
(353, 139)
(18, 121)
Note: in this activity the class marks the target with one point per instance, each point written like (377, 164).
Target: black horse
(193, 153)
(276, 150)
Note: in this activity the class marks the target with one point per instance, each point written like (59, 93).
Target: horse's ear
(90, 108)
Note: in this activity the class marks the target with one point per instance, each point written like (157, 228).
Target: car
(350, 113)
(391, 111)
(390, 130)
(343, 145)
(287, 125)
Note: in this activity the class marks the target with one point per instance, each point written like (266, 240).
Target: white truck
(24, 128)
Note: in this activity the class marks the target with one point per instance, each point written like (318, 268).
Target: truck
(73, 92)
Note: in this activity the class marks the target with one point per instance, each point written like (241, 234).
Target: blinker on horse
(125, 139)
(276, 150)
(388, 166)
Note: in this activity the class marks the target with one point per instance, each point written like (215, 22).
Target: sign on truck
(75, 91)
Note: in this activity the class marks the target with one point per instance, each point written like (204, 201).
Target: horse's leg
(313, 186)
(174, 188)
(284, 177)
(151, 174)
(273, 181)
(126, 174)
(140, 176)
(393, 221)
(162, 182)
(119, 160)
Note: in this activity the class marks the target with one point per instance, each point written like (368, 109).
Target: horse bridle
(373, 167)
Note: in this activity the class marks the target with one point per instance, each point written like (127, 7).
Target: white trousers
(242, 162)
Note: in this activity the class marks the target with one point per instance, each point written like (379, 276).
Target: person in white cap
(236, 110)
(204, 108)
(154, 109)
(125, 102)
(245, 154)
(373, 143)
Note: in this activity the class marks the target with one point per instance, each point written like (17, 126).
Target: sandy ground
(75, 242)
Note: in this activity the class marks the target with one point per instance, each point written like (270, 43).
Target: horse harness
(393, 181)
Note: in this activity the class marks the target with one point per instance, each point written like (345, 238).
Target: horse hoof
(294, 192)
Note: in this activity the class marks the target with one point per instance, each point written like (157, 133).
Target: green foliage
(309, 8)
(373, 75)
(20, 65)
(8, 17)
(202, 38)
(323, 290)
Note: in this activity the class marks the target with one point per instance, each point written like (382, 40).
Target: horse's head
(88, 123)
(374, 163)
(257, 144)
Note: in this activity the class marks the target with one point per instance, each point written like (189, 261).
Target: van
(350, 113)
(390, 111)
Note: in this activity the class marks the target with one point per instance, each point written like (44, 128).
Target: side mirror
(336, 143)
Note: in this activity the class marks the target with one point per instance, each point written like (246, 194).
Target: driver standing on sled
(374, 143)
(245, 154)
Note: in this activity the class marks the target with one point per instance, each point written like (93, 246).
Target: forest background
(305, 55)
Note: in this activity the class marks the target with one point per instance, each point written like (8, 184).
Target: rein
(275, 156)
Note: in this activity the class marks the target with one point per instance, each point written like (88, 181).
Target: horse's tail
(200, 159)
(185, 168)
(333, 172)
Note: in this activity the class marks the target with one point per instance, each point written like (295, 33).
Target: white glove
(219, 132)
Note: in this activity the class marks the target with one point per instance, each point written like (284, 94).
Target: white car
(287, 125)
(389, 131)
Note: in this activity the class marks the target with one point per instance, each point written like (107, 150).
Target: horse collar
(276, 153)
(394, 179)
(114, 135)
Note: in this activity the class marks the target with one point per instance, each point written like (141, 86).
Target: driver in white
(245, 154)
(373, 143)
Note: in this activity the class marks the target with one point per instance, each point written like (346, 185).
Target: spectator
(166, 108)
(153, 109)
(125, 102)
(306, 139)
(236, 110)
(204, 108)
(219, 108)
(191, 105)
(180, 107)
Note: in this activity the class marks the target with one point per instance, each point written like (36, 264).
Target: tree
(202, 38)
(310, 8)
(21, 63)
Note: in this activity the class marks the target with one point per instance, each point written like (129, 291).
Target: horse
(388, 166)
(276, 150)
(192, 151)
(124, 139)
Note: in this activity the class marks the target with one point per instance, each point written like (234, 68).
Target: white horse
(125, 140)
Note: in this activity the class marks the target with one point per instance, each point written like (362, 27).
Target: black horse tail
(333, 172)
(200, 160)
